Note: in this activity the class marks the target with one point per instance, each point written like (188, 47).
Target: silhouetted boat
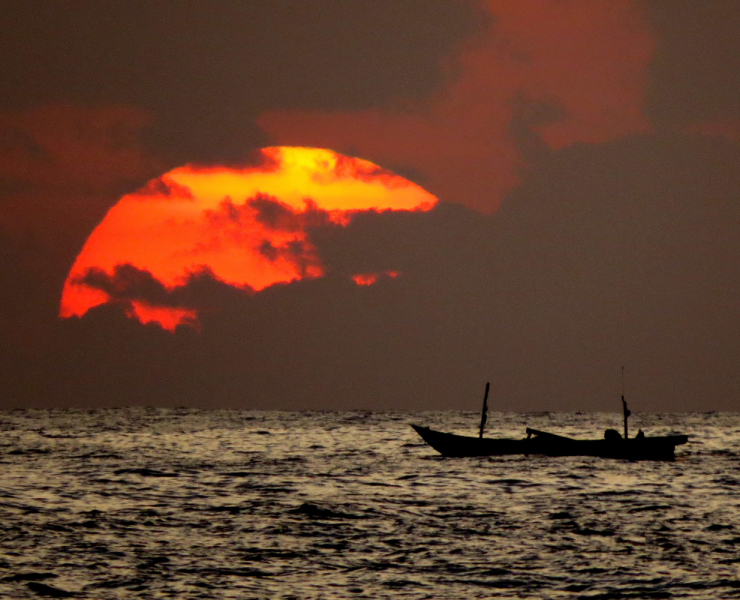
(453, 445)
(550, 444)
(613, 445)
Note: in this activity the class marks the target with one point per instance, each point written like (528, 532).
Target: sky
(532, 193)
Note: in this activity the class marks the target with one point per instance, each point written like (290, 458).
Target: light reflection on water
(142, 503)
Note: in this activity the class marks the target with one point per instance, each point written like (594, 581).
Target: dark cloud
(127, 283)
(161, 188)
(280, 216)
(410, 242)
(206, 69)
(275, 214)
(201, 290)
(254, 159)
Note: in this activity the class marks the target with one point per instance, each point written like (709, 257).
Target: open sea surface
(181, 503)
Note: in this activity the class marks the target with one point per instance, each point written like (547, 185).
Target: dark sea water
(149, 503)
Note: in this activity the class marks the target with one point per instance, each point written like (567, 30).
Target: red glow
(247, 227)
(372, 278)
(167, 317)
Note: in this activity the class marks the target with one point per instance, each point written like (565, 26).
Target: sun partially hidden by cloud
(564, 71)
(247, 228)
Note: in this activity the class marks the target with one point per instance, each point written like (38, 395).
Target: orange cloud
(372, 278)
(571, 70)
(167, 317)
(245, 227)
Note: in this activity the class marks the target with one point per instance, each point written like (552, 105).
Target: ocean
(185, 503)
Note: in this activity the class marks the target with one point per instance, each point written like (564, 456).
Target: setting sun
(246, 227)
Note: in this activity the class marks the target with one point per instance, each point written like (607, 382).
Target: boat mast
(625, 410)
(484, 412)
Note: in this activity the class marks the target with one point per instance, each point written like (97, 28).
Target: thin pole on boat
(484, 412)
(625, 410)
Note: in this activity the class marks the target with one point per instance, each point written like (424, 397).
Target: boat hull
(548, 444)
(458, 446)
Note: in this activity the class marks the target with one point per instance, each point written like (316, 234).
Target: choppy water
(225, 504)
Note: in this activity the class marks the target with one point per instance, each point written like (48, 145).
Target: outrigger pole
(484, 412)
(625, 410)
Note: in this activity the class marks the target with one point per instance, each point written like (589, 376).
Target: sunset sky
(349, 204)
